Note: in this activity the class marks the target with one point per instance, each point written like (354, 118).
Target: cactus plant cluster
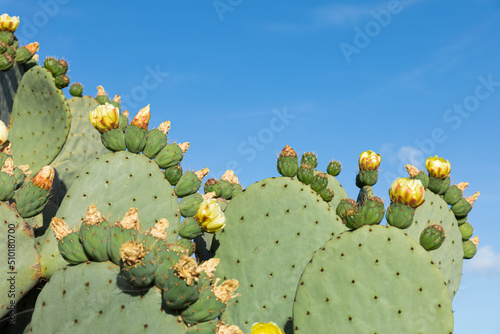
(98, 211)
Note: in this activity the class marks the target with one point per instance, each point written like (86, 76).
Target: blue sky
(241, 79)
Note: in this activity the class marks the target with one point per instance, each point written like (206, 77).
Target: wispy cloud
(486, 262)
(396, 155)
(341, 14)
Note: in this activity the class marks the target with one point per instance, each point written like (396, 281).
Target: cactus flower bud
(406, 191)
(4, 132)
(8, 23)
(263, 328)
(210, 216)
(438, 167)
(369, 160)
(141, 119)
(105, 117)
(44, 178)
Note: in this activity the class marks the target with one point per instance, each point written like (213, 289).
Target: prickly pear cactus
(19, 259)
(273, 228)
(40, 120)
(9, 82)
(110, 302)
(115, 182)
(372, 280)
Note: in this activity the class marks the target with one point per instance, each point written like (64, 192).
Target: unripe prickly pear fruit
(372, 211)
(288, 163)
(212, 185)
(334, 168)
(102, 96)
(305, 174)
(464, 205)
(33, 195)
(94, 235)
(171, 155)
(319, 182)
(189, 205)
(189, 183)
(76, 89)
(6, 62)
(123, 120)
(327, 194)
(310, 159)
(138, 264)
(183, 286)
(432, 237)
(173, 174)
(135, 135)
(61, 81)
(344, 205)
(454, 193)
(400, 215)
(156, 140)
(190, 228)
(25, 53)
(470, 247)
(68, 242)
(466, 230)
(8, 181)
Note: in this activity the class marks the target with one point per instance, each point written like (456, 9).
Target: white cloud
(411, 155)
(486, 261)
(342, 14)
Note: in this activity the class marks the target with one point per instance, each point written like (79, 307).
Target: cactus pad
(403, 292)
(272, 230)
(115, 182)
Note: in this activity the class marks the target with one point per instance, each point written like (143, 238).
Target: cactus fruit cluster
(99, 212)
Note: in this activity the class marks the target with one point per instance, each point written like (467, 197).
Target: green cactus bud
(62, 81)
(156, 140)
(354, 218)
(94, 235)
(372, 211)
(6, 62)
(11, 52)
(288, 163)
(23, 55)
(366, 177)
(166, 261)
(76, 89)
(114, 140)
(327, 194)
(343, 206)
(3, 47)
(20, 176)
(58, 68)
(305, 174)
(189, 205)
(189, 183)
(49, 63)
(439, 186)
(310, 159)
(212, 185)
(7, 37)
(226, 189)
(470, 248)
(432, 237)
(135, 138)
(171, 155)
(464, 205)
(319, 182)
(466, 230)
(33, 195)
(69, 243)
(183, 286)
(138, 265)
(334, 168)
(400, 215)
(190, 228)
(173, 174)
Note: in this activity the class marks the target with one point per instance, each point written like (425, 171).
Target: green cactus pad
(116, 182)
(82, 146)
(111, 304)
(40, 120)
(448, 258)
(404, 292)
(9, 82)
(19, 258)
(272, 230)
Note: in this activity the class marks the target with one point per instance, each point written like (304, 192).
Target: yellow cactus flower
(263, 328)
(438, 167)
(369, 160)
(8, 23)
(105, 117)
(210, 216)
(407, 191)
(4, 132)
(44, 178)
(141, 119)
